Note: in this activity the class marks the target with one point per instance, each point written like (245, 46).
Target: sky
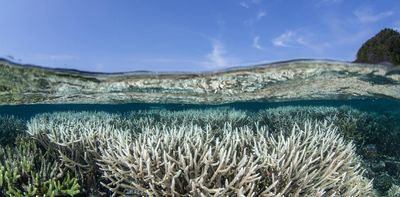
(178, 35)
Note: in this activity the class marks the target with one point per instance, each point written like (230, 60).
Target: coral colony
(211, 152)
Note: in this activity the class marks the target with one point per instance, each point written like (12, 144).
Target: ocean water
(330, 145)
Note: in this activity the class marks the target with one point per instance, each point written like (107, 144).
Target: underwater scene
(295, 128)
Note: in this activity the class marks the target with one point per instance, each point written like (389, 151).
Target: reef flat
(282, 81)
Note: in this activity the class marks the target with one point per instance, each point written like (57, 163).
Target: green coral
(68, 186)
(26, 170)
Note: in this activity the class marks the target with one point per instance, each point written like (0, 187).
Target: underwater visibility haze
(295, 128)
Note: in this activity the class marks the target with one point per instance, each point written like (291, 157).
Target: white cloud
(244, 4)
(261, 14)
(300, 39)
(256, 43)
(217, 58)
(367, 15)
(293, 39)
(258, 12)
(285, 39)
(249, 3)
(252, 21)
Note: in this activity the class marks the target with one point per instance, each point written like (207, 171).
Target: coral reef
(10, 128)
(215, 117)
(25, 170)
(214, 151)
(394, 191)
(364, 128)
(190, 160)
(76, 138)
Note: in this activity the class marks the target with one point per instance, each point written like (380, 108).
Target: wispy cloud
(256, 43)
(261, 14)
(367, 15)
(293, 38)
(300, 39)
(217, 57)
(252, 21)
(249, 3)
(285, 39)
(244, 4)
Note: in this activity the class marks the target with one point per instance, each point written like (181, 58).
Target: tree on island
(382, 48)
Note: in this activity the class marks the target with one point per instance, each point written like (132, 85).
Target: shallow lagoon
(341, 140)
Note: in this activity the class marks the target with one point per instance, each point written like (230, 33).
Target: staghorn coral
(314, 160)
(76, 137)
(190, 160)
(282, 118)
(215, 117)
(108, 148)
(394, 191)
(362, 127)
(25, 170)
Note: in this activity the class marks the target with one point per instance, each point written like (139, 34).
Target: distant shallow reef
(281, 81)
(287, 151)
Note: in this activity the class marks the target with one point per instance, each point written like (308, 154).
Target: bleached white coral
(190, 160)
(215, 117)
(75, 137)
(168, 153)
(394, 191)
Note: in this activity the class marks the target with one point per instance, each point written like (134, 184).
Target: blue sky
(172, 35)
